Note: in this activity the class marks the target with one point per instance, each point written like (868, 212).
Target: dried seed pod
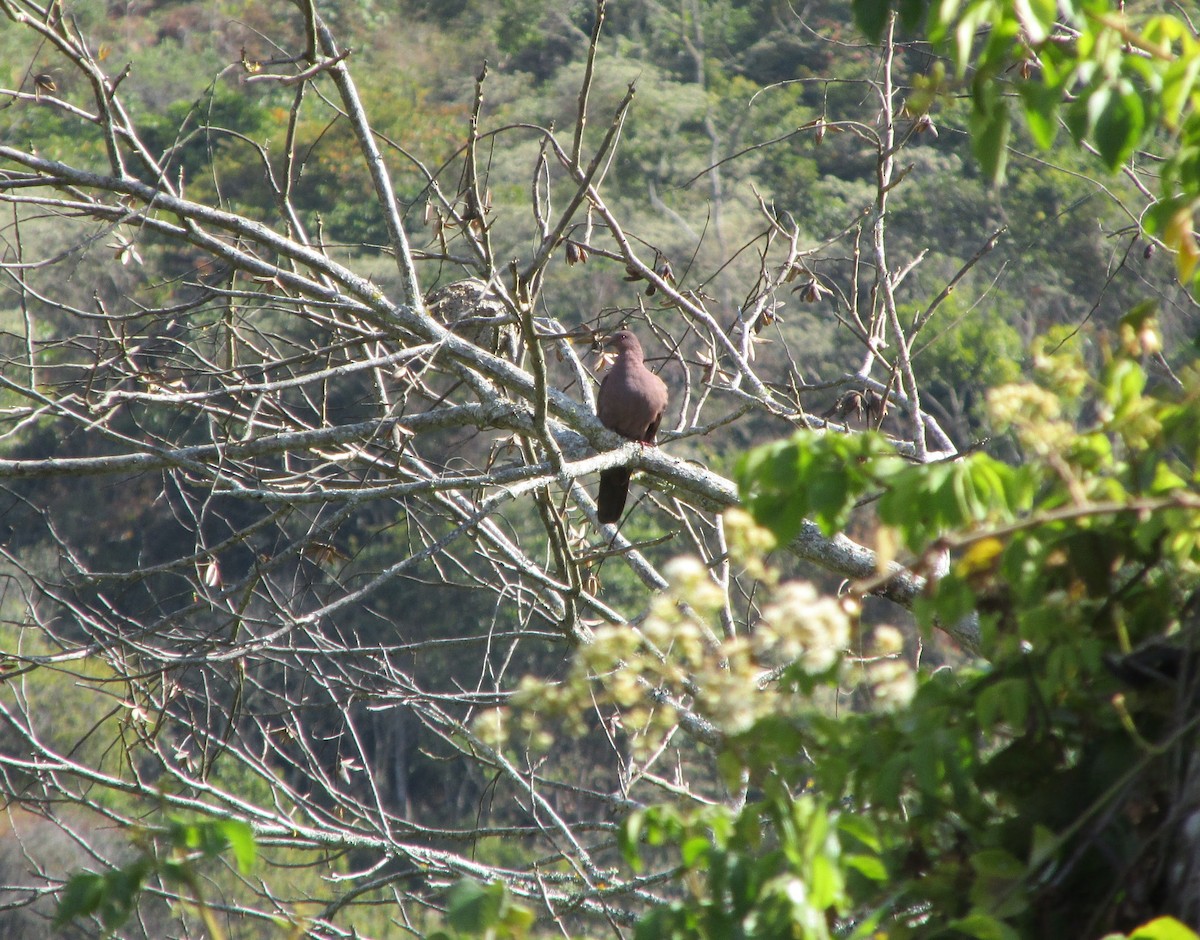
(576, 253)
(323, 553)
(850, 404)
(877, 407)
(768, 316)
(663, 270)
(251, 66)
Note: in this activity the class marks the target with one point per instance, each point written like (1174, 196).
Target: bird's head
(622, 341)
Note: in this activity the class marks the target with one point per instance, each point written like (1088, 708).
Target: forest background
(309, 628)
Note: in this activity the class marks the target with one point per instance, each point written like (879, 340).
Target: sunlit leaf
(240, 838)
(869, 866)
(694, 850)
(1163, 928)
(1180, 235)
(628, 834)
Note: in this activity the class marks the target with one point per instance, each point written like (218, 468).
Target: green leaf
(927, 764)
(912, 14)
(694, 850)
(1119, 126)
(825, 883)
(1006, 700)
(984, 927)
(81, 897)
(870, 16)
(860, 828)
(1036, 18)
(942, 16)
(518, 919)
(240, 838)
(121, 889)
(1045, 845)
(182, 835)
(990, 126)
(965, 30)
(1179, 82)
(828, 494)
(663, 824)
(1080, 115)
(768, 481)
(997, 886)
(473, 908)
(173, 872)
(1164, 928)
(111, 896)
(627, 839)
(889, 779)
(1140, 315)
(1126, 382)
(867, 865)
(821, 475)
(998, 864)
(1041, 111)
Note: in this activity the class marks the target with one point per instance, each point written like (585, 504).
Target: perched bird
(631, 402)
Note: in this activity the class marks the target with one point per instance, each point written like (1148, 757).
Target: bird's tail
(614, 488)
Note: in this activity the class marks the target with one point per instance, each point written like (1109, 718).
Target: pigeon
(631, 402)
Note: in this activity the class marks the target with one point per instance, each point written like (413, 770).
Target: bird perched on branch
(631, 402)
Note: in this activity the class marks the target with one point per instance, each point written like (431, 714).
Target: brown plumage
(631, 402)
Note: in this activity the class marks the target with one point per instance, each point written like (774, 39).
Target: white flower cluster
(689, 582)
(1034, 413)
(492, 727)
(682, 650)
(724, 676)
(800, 626)
(891, 680)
